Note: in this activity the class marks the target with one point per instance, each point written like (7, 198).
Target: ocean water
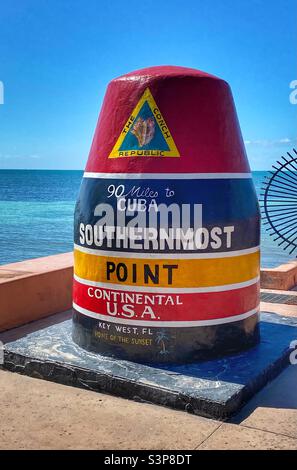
(36, 210)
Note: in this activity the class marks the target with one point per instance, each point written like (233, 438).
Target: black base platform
(217, 388)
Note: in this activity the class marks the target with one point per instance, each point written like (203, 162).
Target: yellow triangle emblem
(145, 133)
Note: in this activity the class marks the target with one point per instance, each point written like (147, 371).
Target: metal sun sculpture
(279, 202)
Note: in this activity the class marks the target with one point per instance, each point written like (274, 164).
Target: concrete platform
(34, 289)
(283, 277)
(216, 388)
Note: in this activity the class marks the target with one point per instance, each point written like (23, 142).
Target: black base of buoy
(165, 345)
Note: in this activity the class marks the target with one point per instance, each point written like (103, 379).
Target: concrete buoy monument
(166, 255)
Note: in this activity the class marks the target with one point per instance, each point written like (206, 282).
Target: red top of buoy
(168, 119)
(165, 70)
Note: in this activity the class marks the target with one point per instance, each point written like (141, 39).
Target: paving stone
(275, 407)
(234, 437)
(36, 414)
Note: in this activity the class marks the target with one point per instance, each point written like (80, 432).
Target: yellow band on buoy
(166, 272)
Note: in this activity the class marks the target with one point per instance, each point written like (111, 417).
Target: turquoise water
(37, 207)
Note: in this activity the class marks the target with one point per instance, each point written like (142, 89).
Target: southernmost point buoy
(166, 256)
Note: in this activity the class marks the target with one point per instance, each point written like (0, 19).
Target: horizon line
(72, 169)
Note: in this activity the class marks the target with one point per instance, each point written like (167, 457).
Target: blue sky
(57, 56)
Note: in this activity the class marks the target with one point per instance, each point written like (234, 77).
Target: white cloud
(270, 143)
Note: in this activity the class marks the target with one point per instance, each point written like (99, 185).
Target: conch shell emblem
(144, 130)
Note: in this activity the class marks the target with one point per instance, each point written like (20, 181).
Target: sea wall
(33, 289)
(283, 277)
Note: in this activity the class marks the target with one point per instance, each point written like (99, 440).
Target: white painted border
(167, 176)
(167, 290)
(159, 324)
(183, 255)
